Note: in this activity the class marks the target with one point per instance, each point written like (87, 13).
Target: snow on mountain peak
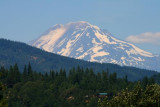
(82, 40)
(81, 24)
(57, 26)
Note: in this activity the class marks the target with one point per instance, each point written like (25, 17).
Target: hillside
(15, 52)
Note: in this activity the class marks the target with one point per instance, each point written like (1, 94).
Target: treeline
(58, 89)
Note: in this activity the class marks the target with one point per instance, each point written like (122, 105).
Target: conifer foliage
(3, 102)
(79, 87)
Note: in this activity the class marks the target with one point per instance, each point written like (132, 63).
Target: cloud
(148, 37)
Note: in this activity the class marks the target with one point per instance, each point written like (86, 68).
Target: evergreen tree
(16, 73)
(25, 70)
(3, 102)
(29, 69)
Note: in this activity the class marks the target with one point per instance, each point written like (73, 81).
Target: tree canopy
(79, 87)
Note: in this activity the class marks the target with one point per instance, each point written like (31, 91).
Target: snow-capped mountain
(81, 40)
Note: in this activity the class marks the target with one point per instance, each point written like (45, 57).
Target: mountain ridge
(81, 40)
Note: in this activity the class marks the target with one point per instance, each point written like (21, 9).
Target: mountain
(81, 40)
(15, 52)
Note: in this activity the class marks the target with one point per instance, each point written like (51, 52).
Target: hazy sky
(137, 21)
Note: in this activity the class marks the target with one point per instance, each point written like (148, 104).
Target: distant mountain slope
(20, 53)
(82, 40)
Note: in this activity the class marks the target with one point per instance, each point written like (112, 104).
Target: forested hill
(15, 52)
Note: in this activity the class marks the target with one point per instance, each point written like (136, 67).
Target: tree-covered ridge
(15, 52)
(57, 89)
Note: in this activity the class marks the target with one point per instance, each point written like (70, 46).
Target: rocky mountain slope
(81, 40)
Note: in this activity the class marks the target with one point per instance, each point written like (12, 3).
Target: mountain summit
(81, 40)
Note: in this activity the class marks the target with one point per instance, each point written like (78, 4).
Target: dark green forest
(12, 52)
(80, 88)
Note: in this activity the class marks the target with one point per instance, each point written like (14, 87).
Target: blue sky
(25, 20)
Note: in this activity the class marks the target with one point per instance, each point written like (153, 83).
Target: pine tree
(25, 70)
(16, 73)
(3, 102)
(29, 69)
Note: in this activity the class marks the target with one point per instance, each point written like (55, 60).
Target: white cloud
(148, 37)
